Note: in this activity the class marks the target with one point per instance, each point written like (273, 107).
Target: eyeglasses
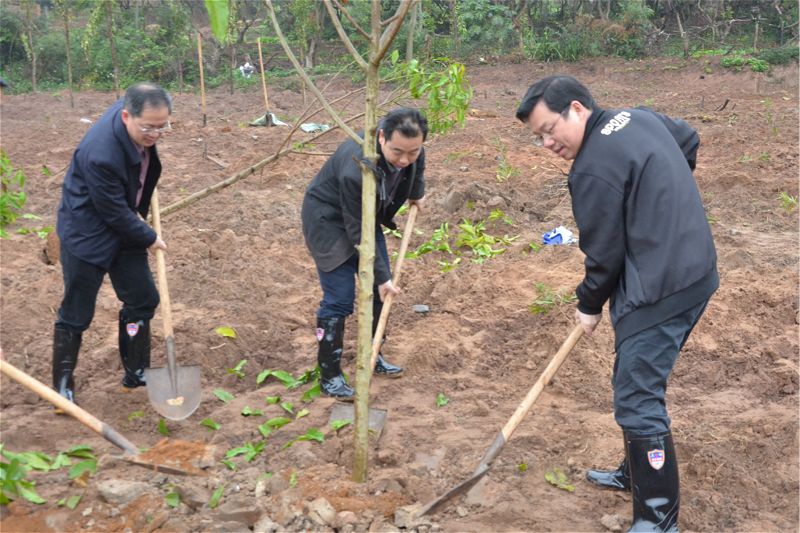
(159, 131)
(538, 140)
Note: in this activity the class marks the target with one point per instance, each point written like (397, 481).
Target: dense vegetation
(112, 43)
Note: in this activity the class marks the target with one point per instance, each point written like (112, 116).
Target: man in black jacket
(108, 186)
(332, 228)
(649, 250)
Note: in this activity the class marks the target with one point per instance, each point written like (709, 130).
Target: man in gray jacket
(649, 251)
(332, 229)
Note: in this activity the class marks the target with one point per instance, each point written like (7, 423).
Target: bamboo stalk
(202, 79)
(263, 76)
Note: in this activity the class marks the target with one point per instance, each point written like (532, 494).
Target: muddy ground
(237, 259)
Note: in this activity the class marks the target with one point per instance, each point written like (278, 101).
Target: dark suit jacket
(332, 206)
(98, 214)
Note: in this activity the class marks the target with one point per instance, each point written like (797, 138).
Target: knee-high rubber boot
(134, 349)
(330, 341)
(66, 345)
(382, 366)
(654, 482)
(619, 479)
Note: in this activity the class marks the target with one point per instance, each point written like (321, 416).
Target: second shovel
(174, 391)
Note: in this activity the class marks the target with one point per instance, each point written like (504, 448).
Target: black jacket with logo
(331, 211)
(640, 218)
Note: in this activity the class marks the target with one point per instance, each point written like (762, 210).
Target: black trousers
(130, 276)
(643, 365)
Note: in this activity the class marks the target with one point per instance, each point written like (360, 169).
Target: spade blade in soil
(346, 411)
(174, 392)
(461, 488)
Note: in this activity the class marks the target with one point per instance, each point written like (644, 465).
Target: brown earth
(237, 259)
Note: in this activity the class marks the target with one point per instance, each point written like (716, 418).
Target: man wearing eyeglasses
(648, 251)
(105, 197)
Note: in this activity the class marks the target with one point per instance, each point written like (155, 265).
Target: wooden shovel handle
(543, 380)
(387, 304)
(161, 270)
(84, 417)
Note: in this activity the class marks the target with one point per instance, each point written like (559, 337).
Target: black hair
(408, 121)
(143, 94)
(557, 92)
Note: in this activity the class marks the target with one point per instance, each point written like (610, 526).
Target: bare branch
(336, 118)
(341, 8)
(389, 20)
(390, 32)
(343, 36)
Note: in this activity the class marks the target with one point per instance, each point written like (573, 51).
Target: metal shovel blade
(174, 391)
(346, 411)
(461, 488)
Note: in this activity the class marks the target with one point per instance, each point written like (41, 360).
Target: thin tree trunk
(66, 15)
(366, 259)
(684, 37)
(110, 31)
(757, 16)
(31, 49)
(412, 27)
(233, 67)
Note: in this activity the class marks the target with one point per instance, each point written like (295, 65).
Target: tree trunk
(412, 28)
(110, 32)
(31, 50)
(684, 37)
(454, 27)
(66, 15)
(233, 67)
(366, 258)
(757, 17)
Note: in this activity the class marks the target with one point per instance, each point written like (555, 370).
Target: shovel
(508, 430)
(377, 417)
(131, 451)
(174, 391)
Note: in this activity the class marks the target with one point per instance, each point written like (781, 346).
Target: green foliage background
(156, 41)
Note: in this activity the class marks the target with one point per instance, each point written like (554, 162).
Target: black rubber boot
(619, 479)
(66, 345)
(330, 341)
(654, 482)
(134, 350)
(382, 366)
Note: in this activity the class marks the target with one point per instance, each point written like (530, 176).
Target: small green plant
(522, 468)
(787, 201)
(226, 331)
(172, 498)
(505, 170)
(339, 424)
(223, 395)
(14, 483)
(277, 422)
(442, 400)
(559, 479)
(293, 479)
(763, 157)
(547, 299)
(237, 370)
(312, 434)
(498, 214)
(249, 411)
(482, 245)
(134, 415)
(250, 451)
(70, 503)
(745, 158)
(301, 413)
(216, 497)
(288, 407)
(210, 424)
(162, 427)
(447, 266)
(437, 243)
(12, 193)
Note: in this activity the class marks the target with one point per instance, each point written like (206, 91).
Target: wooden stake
(263, 77)
(202, 81)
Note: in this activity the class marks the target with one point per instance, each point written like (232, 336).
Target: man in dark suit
(332, 228)
(106, 192)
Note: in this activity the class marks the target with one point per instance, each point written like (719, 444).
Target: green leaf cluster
(548, 299)
(443, 83)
